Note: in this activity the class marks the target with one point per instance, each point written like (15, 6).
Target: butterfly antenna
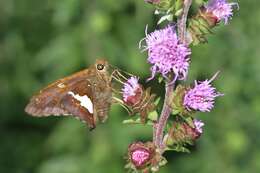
(115, 75)
(122, 71)
(117, 79)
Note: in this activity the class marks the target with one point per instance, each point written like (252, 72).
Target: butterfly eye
(100, 66)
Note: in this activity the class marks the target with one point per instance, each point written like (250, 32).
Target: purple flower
(198, 126)
(221, 9)
(201, 97)
(132, 91)
(167, 54)
(140, 154)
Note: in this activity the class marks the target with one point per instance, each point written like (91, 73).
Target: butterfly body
(86, 95)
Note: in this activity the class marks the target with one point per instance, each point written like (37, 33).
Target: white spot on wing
(84, 101)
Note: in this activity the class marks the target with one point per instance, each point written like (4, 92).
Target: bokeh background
(41, 41)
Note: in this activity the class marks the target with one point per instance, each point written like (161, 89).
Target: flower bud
(194, 132)
(132, 91)
(221, 9)
(138, 99)
(145, 157)
(141, 154)
(208, 17)
(200, 25)
(182, 132)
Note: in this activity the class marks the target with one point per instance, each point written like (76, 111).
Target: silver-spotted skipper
(87, 95)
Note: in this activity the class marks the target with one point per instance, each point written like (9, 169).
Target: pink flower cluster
(202, 96)
(221, 9)
(167, 54)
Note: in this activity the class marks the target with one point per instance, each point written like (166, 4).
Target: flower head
(167, 54)
(132, 91)
(221, 9)
(140, 154)
(201, 97)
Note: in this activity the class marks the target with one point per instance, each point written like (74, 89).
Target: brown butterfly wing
(56, 100)
(86, 95)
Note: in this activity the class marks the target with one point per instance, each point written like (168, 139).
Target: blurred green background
(43, 40)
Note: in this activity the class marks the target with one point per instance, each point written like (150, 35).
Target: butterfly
(86, 95)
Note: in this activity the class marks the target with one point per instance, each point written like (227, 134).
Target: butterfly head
(101, 65)
(103, 69)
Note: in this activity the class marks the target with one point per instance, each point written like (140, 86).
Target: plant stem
(182, 20)
(166, 111)
(169, 87)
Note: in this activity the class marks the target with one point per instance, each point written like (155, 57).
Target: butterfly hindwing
(79, 102)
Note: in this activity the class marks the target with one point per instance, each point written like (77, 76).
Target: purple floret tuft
(202, 96)
(222, 9)
(166, 54)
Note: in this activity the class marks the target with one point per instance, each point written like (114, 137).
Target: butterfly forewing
(85, 95)
(47, 101)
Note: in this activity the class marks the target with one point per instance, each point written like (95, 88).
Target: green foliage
(176, 101)
(168, 9)
(41, 41)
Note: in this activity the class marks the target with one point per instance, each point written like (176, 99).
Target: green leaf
(157, 12)
(153, 116)
(178, 148)
(189, 121)
(168, 17)
(160, 79)
(157, 101)
(179, 12)
(128, 165)
(149, 123)
(132, 121)
(178, 5)
(164, 5)
(169, 140)
(163, 162)
(175, 111)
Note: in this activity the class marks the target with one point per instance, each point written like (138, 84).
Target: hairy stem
(166, 111)
(169, 87)
(182, 20)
